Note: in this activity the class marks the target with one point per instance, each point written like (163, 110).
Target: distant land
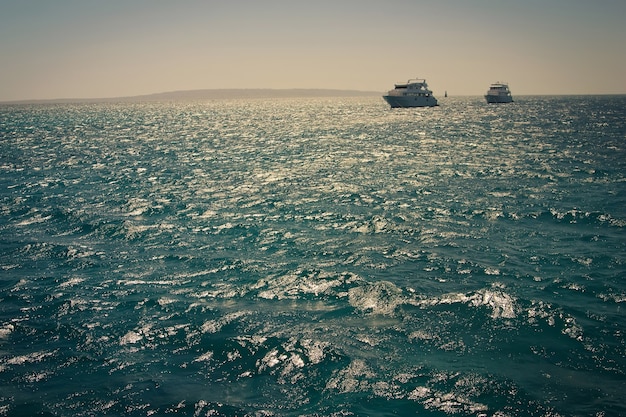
(209, 94)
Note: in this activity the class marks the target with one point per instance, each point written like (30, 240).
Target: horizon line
(243, 93)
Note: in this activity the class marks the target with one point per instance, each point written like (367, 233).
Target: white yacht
(413, 93)
(499, 93)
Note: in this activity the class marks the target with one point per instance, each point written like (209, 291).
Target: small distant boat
(413, 93)
(499, 93)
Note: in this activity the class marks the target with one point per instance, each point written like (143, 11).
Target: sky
(115, 48)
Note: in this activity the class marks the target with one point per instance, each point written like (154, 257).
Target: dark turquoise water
(315, 257)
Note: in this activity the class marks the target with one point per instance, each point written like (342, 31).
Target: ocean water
(314, 257)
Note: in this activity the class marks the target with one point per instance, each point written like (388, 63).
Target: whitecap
(163, 301)
(71, 282)
(299, 283)
(6, 330)
(271, 359)
(378, 298)
(314, 350)
(502, 304)
(30, 358)
(205, 357)
(419, 393)
(38, 218)
(137, 212)
(130, 338)
(224, 226)
(452, 403)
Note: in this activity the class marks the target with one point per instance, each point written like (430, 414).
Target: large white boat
(413, 93)
(499, 93)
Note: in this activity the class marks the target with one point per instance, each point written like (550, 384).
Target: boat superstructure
(499, 93)
(413, 93)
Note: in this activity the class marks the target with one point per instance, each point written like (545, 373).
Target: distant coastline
(207, 94)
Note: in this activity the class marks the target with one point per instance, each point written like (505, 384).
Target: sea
(318, 256)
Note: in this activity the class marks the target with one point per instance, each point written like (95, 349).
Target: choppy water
(316, 257)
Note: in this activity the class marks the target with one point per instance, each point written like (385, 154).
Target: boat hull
(498, 99)
(410, 101)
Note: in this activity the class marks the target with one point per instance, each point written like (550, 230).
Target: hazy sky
(110, 48)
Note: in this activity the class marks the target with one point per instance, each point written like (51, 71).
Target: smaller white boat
(413, 93)
(499, 93)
